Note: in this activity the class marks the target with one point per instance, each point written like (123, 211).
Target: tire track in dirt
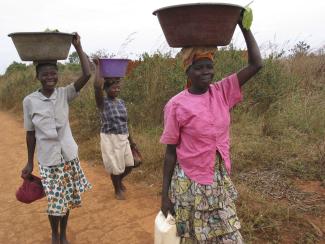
(101, 219)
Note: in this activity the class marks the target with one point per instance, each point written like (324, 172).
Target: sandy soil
(101, 219)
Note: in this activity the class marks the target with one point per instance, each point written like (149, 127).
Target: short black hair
(110, 81)
(40, 65)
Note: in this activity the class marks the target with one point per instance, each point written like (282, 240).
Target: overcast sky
(128, 28)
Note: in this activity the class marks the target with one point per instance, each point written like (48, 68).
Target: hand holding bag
(31, 190)
(165, 230)
(137, 157)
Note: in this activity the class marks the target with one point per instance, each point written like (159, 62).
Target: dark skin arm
(132, 143)
(84, 62)
(254, 56)
(98, 85)
(31, 143)
(169, 165)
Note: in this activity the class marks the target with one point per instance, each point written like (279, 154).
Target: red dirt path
(101, 219)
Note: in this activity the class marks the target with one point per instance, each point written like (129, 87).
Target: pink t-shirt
(199, 125)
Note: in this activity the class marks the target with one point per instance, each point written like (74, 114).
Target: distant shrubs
(146, 90)
(281, 121)
(16, 67)
(18, 81)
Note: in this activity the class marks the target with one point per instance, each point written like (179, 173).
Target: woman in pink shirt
(196, 185)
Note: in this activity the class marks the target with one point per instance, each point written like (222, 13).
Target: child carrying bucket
(46, 120)
(115, 141)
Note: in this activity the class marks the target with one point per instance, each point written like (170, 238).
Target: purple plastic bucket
(113, 67)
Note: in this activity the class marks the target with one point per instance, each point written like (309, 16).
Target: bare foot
(55, 239)
(120, 195)
(123, 188)
(64, 241)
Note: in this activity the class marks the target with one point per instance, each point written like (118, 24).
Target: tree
(15, 66)
(102, 53)
(74, 58)
(300, 49)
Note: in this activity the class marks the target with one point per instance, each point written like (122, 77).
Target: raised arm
(169, 165)
(98, 86)
(254, 56)
(82, 80)
(31, 142)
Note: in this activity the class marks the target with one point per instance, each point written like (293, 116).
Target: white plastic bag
(165, 230)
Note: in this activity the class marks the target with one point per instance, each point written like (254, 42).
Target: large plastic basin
(38, 46)
(199, 24)
(113, 67)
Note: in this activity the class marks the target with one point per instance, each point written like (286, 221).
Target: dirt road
(101, 219)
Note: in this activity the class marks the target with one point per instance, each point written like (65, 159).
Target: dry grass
(269, 221)
(153, 153)
(273, 184)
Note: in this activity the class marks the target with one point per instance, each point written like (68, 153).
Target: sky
(127, 28)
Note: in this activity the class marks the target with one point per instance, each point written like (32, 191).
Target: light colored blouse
(49, 117)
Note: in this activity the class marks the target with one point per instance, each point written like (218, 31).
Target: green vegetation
(280, 125)
(51, 30)
(247, 18)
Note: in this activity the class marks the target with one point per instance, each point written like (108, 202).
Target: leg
(116, 179)
(125, 173)
(54, 222)
(63, 229)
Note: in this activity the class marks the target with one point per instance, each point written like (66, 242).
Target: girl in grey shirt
(46, 120)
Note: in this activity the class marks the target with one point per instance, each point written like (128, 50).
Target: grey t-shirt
(49, 117)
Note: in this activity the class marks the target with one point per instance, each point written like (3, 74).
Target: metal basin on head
(42, 46)
(199, 24)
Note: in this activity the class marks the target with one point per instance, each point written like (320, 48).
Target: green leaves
(247, 18)
(49, 30)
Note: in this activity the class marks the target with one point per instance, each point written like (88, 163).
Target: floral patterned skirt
(63, 185)
(205, 213)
